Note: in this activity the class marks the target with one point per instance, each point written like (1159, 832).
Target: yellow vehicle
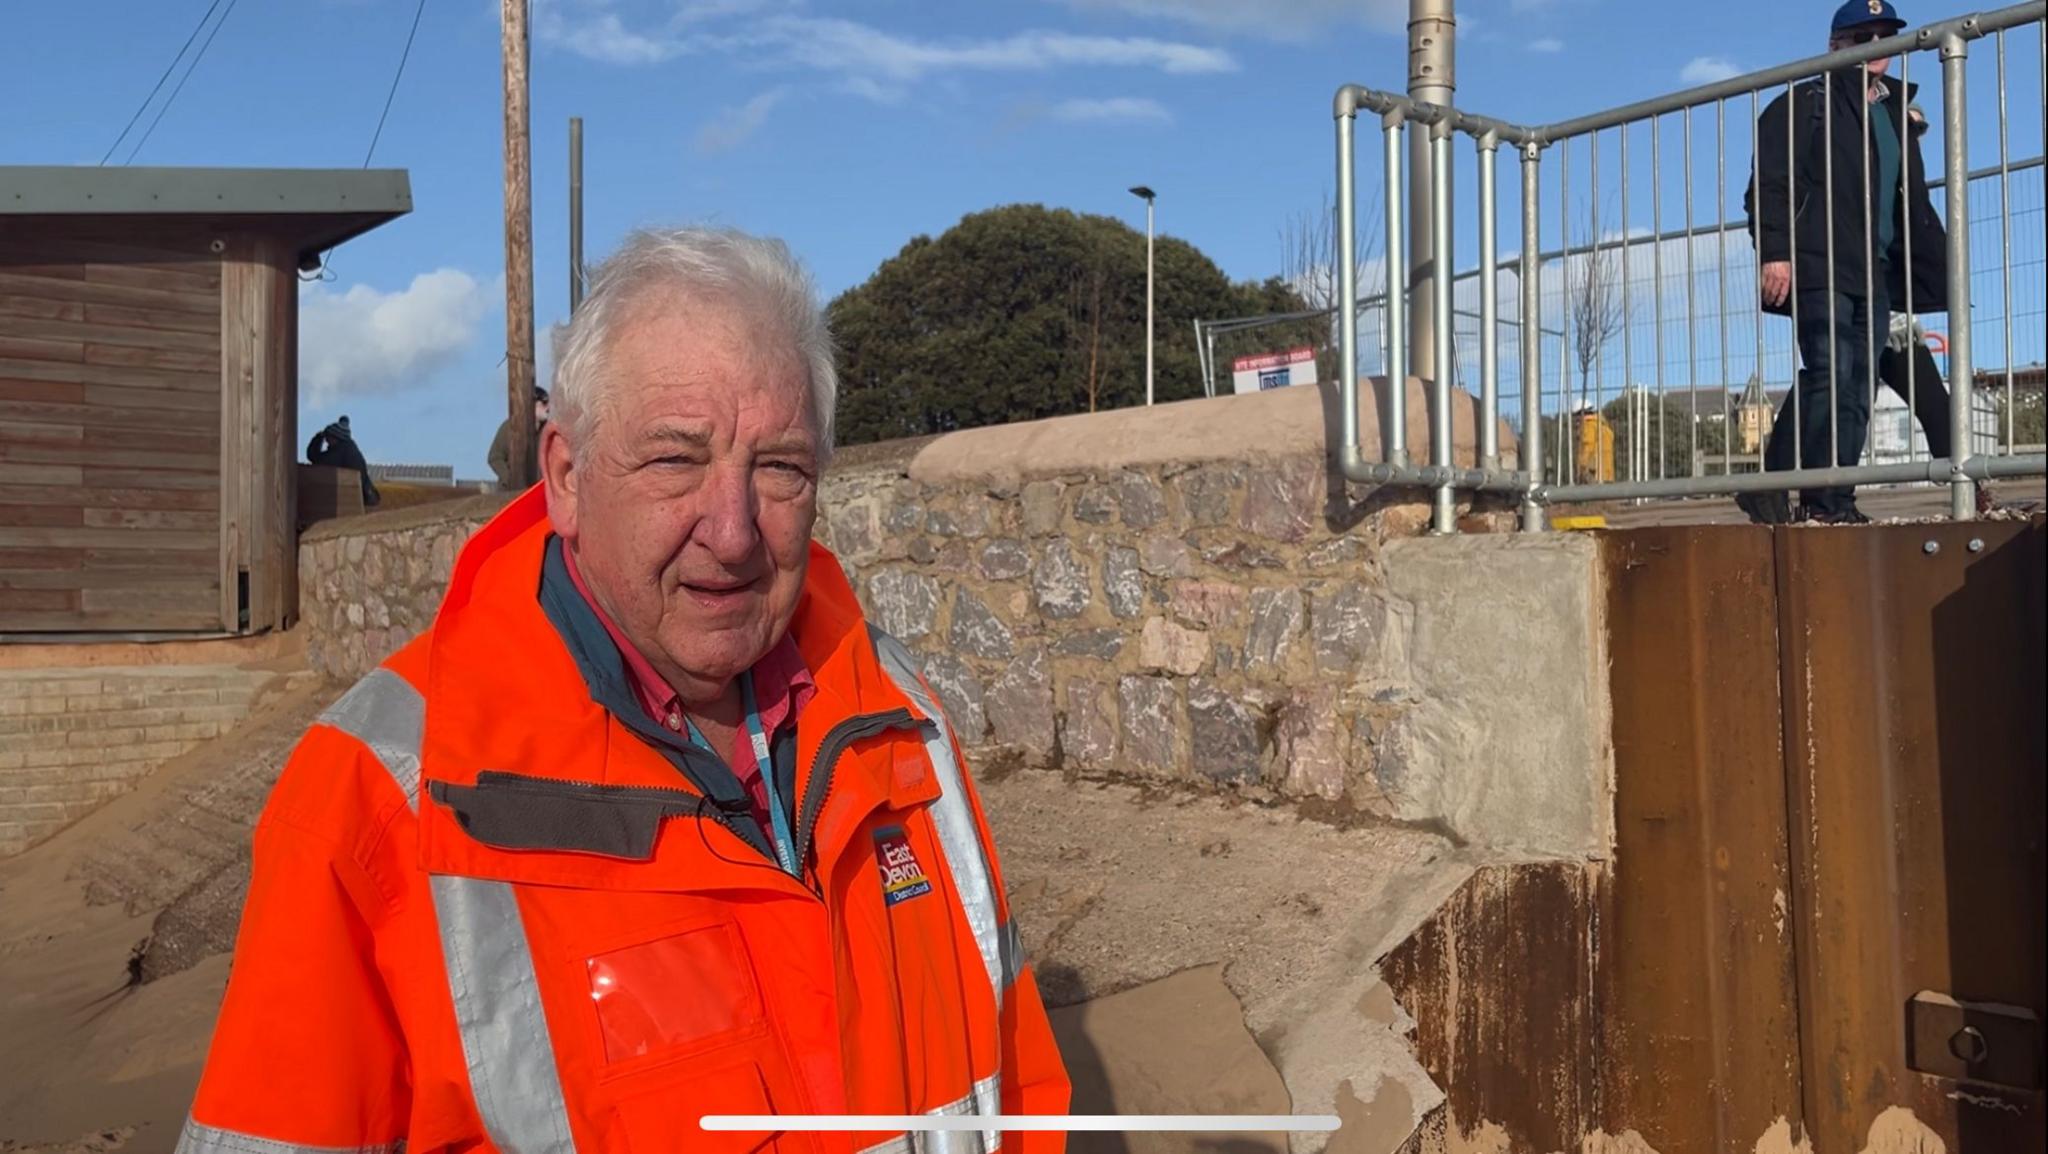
(1593, 458)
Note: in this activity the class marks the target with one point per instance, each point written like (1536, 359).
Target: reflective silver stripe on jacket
(384, 712)
(953, 818)
(483, 946)
(986, 1098)
(198, 1139)
(505, 1039)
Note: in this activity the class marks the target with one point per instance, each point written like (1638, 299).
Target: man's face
(540, 411)
(1851, 39)
(690, 507)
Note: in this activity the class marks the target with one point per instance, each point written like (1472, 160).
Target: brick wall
(70, 739)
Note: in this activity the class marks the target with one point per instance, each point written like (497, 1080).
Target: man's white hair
(721, 267)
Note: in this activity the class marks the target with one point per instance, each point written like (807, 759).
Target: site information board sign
(1274, 370)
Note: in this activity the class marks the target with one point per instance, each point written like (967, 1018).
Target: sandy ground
(87, 1053)
(1264, 925)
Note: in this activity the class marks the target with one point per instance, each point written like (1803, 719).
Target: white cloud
(1278, 19)
(859, 59)
(1707, 70)
(368, 341)
(587, 30)
(733, 125)
(1546, 45)
(854, 49)
(868, 88)
(699, 11)
(1112, 110)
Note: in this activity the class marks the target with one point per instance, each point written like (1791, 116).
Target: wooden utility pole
(518, 247)
(575, 214)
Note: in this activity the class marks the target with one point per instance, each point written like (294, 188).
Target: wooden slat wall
(259, 422)
(110, 432)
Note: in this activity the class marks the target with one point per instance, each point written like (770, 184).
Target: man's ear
(559, 479)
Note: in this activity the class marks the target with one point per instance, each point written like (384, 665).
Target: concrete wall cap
(1301, 421)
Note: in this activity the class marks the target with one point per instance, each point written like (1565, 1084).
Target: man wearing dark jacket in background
(500, 455)
(336, 446)
(1838, 200)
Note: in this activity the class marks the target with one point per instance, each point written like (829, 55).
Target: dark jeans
(1928, 395)
(1832, 400)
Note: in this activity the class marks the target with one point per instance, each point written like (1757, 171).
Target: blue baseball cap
(1858, 14)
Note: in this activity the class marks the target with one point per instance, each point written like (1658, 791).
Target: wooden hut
(149, 390)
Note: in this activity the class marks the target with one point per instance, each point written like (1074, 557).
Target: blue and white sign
(1274, 370)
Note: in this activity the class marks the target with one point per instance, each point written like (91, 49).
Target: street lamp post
(1148, 196)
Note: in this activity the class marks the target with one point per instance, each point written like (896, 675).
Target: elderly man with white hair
(651, 824)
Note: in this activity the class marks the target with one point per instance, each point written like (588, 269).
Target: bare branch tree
(1593, 306)
(1308, 258)
(1308, 250)
(1595, 314)
(1084, 322)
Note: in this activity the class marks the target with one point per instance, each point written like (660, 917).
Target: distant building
(413, 474)
(1753, 414)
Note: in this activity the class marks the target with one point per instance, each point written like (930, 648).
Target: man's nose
(726, 524)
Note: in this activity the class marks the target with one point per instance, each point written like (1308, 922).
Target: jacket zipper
(818, 781)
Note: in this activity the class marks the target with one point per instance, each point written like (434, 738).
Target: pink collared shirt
(782, 688)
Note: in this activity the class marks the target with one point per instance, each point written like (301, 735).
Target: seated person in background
(335, 446)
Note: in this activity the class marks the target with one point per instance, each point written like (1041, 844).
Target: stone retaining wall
(368, 585)
(1221, 615)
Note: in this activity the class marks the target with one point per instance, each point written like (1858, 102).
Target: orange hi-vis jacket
(487, 915)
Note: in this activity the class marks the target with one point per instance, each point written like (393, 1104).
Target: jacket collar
(1898, 94)
(506, 697)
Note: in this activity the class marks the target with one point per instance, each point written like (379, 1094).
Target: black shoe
(1845, 513)
(1765, 508)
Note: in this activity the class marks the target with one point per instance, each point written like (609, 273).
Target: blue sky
(844, 126)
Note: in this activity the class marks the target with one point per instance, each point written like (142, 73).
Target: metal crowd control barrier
(1961, 469)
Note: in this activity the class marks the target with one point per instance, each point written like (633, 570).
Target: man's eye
(790, 467)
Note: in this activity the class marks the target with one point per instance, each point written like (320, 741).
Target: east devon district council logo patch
(902, 877)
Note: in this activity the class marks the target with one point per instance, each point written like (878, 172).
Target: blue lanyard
(785, 845)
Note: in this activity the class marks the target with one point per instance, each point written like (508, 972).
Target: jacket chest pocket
(685, 990)
(677, 1028)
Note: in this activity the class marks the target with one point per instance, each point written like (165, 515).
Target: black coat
(335, 447)
(1791, 181)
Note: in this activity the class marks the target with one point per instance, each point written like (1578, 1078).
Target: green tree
(1669, 436)
(1024, 312)
(2023, 422)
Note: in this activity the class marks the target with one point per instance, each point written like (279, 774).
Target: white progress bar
(1026, 1123)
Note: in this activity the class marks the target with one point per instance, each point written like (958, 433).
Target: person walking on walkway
(1835, 195)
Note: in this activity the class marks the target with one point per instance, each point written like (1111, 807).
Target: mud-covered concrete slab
(1115, 886)
(1174, 1046)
